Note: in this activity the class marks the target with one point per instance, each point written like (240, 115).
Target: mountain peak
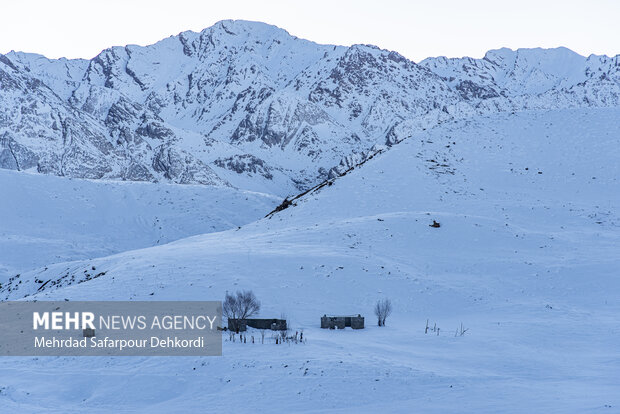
(245, 29)
(560, 55)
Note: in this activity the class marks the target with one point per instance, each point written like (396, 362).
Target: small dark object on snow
(88, 332)
(435, 224)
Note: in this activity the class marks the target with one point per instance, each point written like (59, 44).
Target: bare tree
(240, 306)
(383, 309)
(248, 304)
(229, 306)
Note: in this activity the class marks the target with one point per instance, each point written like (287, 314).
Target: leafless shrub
(461, 331)
(383, 309)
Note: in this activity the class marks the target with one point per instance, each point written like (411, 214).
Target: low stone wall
(357, 322)
(273, 324)
(242, 324)
(333, 322)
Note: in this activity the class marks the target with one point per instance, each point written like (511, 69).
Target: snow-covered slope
(246, 104)
(526, 258)
(47, 219)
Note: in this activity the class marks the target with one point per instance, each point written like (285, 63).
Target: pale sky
(416, 29)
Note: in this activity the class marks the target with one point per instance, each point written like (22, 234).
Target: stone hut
(241, 325)
(340, 322)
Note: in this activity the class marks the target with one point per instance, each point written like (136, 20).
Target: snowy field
(526, 258)
(48, 219)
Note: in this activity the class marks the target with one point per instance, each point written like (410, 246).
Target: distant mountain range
(245, 104)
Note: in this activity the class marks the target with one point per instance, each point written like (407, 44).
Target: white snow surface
(48, 219)
(526, 258)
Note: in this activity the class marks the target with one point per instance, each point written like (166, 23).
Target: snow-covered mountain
(532, 78)
(515, 155)
(526, 258)
(246, 104)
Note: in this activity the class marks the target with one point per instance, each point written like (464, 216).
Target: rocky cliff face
(245, 103)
